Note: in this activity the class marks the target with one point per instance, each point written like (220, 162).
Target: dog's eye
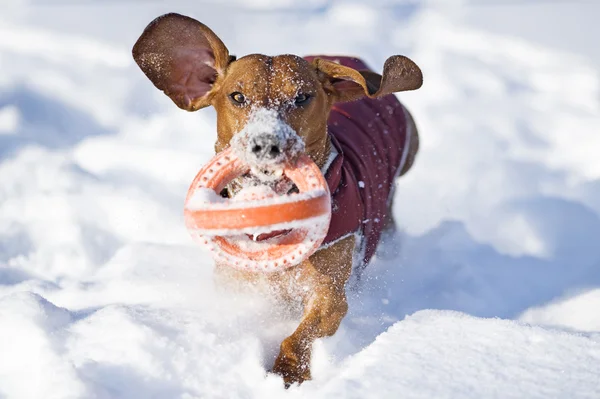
(238, 97)
(301, 99)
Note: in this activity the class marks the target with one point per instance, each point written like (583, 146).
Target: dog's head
(269, 109)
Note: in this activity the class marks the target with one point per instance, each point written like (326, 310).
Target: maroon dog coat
(370, 136)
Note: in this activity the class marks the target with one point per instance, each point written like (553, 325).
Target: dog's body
(371, 140)
(361, 146)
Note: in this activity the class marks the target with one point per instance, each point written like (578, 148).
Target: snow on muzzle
(266, 142)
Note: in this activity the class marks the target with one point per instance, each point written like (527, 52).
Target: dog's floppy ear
(182, 57)
(347, 84)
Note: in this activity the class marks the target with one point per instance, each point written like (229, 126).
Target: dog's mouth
(266, 143)
(266, 175)
(273, 179)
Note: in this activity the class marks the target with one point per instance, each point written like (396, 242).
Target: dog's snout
(267, 141)
(266, 147)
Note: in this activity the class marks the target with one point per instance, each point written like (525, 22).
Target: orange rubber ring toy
(222, 224)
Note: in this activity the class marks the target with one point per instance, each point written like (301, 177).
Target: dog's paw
(292, 367)
(291, 371)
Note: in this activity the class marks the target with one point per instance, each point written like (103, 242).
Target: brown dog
(293, 99)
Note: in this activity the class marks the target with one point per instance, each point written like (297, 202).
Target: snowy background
(495, 292)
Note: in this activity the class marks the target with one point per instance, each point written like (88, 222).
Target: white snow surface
(490, 288)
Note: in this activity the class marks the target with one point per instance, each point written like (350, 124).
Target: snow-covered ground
(496, 288)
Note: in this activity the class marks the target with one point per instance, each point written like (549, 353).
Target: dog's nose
(265, 147)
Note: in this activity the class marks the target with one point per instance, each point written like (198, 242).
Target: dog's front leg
(325, 306)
